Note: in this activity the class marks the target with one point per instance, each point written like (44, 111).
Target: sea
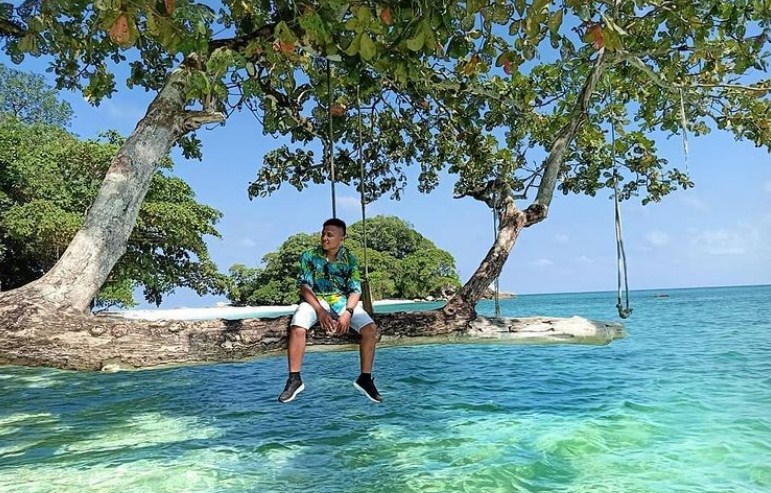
(681, 404)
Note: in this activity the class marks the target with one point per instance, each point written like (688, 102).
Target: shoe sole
(361, 389)
(291, 398)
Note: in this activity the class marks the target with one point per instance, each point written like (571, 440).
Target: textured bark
(83, 268)
(33, 337)
(512, 220)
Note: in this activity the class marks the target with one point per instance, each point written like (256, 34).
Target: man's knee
(297, 331)
(370, 330)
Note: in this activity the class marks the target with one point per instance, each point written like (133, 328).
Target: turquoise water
(683, 404)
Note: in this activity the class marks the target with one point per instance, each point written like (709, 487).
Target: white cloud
(695, 203)
(583, 259)
(542, 262)
(561, 238)
(123, 112)
(657, 238)
(736, 241)
(349, 204)
(248, 242)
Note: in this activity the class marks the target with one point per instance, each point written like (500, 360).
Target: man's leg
(365, 382)
(303, 316)
(367, 347)
(296, 348)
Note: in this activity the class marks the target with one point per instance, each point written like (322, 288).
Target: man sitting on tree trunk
(330, 288)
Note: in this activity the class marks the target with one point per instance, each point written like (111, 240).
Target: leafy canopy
(29, 98)
(536, 96)
(401, 263)
(511, 96)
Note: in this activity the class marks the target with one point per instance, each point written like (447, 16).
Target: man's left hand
(343, 323)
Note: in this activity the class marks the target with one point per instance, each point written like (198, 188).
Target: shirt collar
(342, 253)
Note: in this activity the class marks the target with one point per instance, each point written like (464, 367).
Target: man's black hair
(335, 222)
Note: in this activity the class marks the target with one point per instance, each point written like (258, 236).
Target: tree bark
(511, 222)
(564, 138)
(86, 342)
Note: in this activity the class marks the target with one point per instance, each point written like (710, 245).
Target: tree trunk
(512, 220)
(83, 268)
(87, 342)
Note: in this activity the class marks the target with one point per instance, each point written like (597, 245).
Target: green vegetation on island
(401, 262)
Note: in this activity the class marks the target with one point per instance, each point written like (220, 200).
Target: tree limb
(656, 78)
(195, 119)
(238, 43)
(539, 209)
(291, 107)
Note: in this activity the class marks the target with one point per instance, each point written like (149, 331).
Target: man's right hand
(327, 322)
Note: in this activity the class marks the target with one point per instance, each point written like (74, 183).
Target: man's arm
(354, 294)
(310, 297)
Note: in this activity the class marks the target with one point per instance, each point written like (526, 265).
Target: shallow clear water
(683, 404)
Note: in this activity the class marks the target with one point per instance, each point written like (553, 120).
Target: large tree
(270, 61)
(568, 99)
(424, 75)
(47, 182)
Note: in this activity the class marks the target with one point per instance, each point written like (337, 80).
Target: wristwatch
(349, 310)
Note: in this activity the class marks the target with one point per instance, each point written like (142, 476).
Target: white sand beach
(225, 312)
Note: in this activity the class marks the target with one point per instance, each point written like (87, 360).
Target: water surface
(683, 404)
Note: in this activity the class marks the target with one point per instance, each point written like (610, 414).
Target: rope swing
(330, 144)
(366, 292)
(624, 311)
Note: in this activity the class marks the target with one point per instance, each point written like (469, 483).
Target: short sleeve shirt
(332, 280)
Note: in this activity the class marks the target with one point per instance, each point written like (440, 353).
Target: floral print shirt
(331, 281)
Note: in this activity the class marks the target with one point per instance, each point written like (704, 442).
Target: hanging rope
(366, 293)
(330, 144)
(684, 124)
(623, 311)
(497, 279)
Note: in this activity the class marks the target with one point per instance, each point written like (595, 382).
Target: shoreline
(226, 312)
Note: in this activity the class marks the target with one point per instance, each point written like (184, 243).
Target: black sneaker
(367, 387)
(293, 387)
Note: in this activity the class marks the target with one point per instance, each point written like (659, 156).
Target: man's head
(332, 234)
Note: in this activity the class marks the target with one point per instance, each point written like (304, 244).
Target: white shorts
(305, 316)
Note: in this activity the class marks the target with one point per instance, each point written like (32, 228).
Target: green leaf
(555, 21)
(353, 48)
(416, 42)
(520, 6)
(539, 6)
(364, 15)
(367, 47)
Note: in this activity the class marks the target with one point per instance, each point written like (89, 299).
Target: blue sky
(718, 233)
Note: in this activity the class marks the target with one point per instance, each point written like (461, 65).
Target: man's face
(331, 238)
